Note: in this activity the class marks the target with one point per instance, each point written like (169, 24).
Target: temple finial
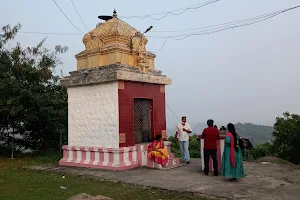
(115, 13)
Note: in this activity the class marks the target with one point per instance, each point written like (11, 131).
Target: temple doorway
(142, 120)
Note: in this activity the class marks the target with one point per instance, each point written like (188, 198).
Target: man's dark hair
(210, 122)
(183, 117)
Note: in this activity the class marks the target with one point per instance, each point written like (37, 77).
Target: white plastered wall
(93, 116)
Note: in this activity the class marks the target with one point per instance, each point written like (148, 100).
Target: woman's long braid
(231, 129)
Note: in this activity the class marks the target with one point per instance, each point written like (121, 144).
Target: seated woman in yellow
(157, 151)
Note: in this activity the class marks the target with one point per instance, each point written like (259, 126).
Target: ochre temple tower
(116, 100)
(115, 42)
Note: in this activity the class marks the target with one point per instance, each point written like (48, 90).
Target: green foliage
(261, 150)
(194, 147)
(33, 105)
(174, 147)
(41, 157)
(286, 142)
(287, 137)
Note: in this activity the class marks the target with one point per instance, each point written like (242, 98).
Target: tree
(287, 137)
(33, 104)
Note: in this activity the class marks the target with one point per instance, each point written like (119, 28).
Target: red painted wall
(127, 92)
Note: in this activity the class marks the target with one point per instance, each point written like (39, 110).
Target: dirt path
(262, 181)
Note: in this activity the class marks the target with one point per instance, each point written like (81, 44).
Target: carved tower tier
(115, 42)
(116, 100)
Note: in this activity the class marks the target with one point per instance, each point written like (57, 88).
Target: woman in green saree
(232, 160)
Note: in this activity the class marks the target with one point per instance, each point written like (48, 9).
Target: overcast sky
(247, 74)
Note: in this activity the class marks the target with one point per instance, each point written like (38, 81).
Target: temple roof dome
(113, 30)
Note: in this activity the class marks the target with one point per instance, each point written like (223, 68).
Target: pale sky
(247, 74)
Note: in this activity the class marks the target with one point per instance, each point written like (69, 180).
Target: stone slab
(114, 72)
(274, 182)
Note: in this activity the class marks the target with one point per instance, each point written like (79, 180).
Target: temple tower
(116, 99)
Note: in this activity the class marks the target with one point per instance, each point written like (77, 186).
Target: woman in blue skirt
(232, 160)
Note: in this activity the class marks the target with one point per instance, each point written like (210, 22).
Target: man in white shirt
(182, 134)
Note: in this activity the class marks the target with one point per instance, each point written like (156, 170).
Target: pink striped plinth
(220, 149)
(111, 158)
(105, 158)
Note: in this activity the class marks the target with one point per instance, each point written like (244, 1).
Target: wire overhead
(79, 15)
(211, 26)
(222, 27)
(171, 12)
(67, 17)
(202, 30)
(172, 111)
(49, 33)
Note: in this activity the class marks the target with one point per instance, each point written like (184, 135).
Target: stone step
(172, 163)
(171, 156)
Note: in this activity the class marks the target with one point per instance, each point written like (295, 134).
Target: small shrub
(194, 147)
(261, 150)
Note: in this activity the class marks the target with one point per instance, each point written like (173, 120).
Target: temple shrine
(116, 100)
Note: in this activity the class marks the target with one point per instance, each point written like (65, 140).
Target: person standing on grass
(232, 160)
(182, 134)
(210, 136)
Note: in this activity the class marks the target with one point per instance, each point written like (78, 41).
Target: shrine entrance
(142, 120)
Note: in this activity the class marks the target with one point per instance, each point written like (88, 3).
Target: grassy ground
(279, 161)
(17, 183)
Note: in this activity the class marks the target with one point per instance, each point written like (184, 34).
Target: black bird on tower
(107, 17)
